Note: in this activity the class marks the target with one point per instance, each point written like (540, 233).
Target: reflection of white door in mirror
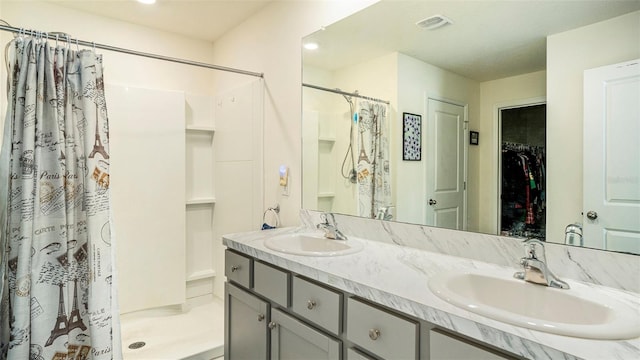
(445, 152)
(612, 157)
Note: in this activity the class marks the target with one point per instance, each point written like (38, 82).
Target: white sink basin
(312, 244)
(581, 311)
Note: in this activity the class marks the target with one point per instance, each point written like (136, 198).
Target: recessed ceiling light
(311, 46)
(146, 2)
(434, 22)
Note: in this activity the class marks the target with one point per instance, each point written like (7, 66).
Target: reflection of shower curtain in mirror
(374, 188)
(56, 281)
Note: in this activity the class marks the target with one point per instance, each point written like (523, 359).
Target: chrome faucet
(535, 266)
(384, 213)
(330, 227)
(573, 234)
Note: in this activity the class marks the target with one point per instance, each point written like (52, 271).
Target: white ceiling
(489, 39)
(199, 19)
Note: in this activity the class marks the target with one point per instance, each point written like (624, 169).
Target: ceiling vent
(434, 22)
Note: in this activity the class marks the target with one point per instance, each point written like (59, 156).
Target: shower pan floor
(170, 333)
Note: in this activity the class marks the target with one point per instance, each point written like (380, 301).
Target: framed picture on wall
(411, 137)
(474, 137)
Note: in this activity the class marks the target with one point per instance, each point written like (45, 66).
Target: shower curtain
(56, 273)
(374, 187)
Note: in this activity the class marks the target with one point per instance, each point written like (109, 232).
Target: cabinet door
(293, 340)
(245, 325)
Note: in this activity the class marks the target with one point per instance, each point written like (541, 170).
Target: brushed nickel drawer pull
(260, 317)
(311, 304)
(374, 334)
(272, 325)
(235, 268)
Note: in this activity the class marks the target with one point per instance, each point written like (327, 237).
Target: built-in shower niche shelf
(327, 139)
(201, 275)
(202, 201)
(200, 129)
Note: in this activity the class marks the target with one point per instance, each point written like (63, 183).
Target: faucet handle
(323, 218)
(328, 218)
(531, 249)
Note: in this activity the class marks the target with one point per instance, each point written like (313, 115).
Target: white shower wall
(238, 171)
(147, 142)
(327, 129)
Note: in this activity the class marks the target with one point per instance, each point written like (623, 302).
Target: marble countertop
(397, 277)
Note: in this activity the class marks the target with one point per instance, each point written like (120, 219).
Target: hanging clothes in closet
(523, 206)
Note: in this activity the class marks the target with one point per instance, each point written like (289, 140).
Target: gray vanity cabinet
(246, 318)
(273, 314)
(291, 339)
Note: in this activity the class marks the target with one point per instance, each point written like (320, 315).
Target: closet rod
(338, 91)
(521, 147)
(131, 52)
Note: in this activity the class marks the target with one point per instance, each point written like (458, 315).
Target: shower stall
(170, 138)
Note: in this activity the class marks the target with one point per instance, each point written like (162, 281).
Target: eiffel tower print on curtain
(98, 148)
(63, 323)
(61, 326)
(75, 321)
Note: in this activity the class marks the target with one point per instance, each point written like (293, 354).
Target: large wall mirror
(469, 115)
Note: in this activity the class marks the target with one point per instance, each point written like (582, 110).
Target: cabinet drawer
(272, 283)
(317, 304)
(383, 333)
(237, 268)
(443, 346)
(355, 355)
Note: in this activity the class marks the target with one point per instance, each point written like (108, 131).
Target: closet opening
(523, 171)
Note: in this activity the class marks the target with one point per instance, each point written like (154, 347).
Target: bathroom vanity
(278, 314)
(372, 304)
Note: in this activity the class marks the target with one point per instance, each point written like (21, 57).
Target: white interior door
(612, 157)
(445, 165)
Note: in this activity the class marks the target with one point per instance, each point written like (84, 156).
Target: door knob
(592, 215)
(432, 202)
(260, 317)
(272, 325)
